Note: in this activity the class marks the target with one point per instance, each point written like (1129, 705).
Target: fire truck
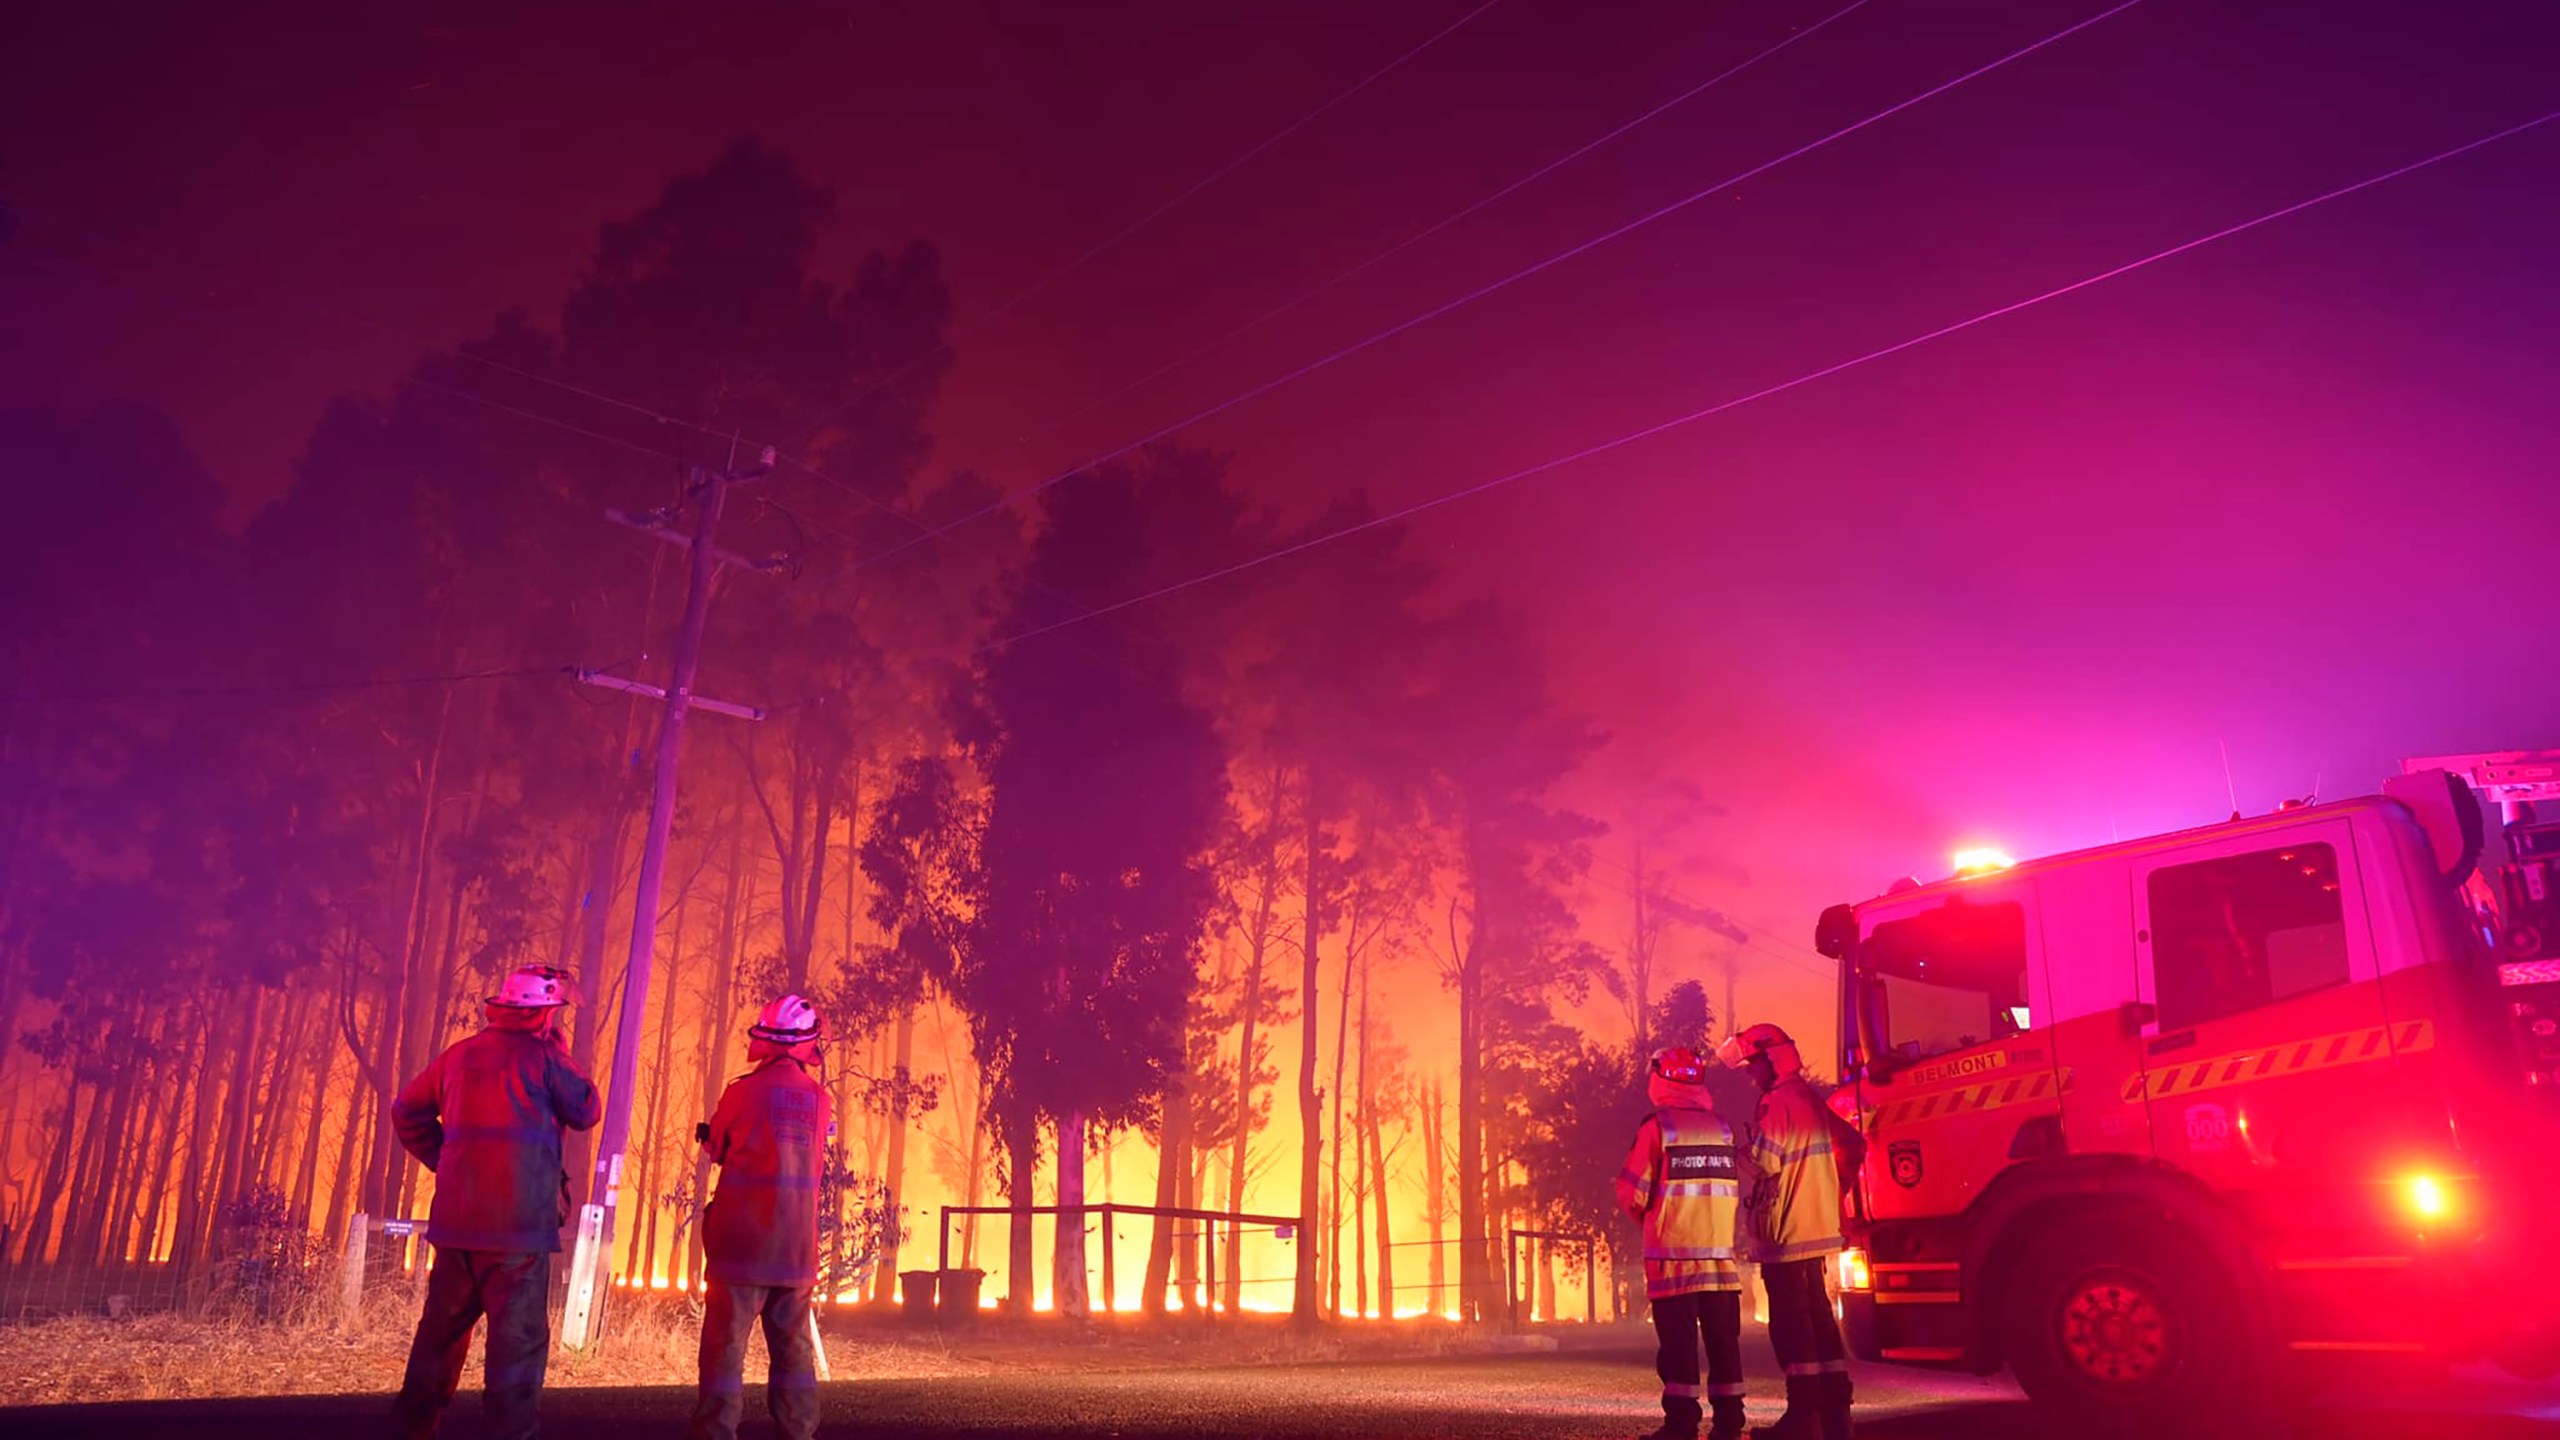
(2169, 1122)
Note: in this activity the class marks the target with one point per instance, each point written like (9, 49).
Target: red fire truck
(2150, 1124)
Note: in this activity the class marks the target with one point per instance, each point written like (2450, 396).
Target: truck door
(1953, 982)
(2100, 1003)
(2265, 1050)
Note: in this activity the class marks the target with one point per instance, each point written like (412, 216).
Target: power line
(1515, 277)
(1809, 377)
(1401, 246)
(538, 418)
(456, 353)
(311, 687)
(62, 266)
(1142, 222)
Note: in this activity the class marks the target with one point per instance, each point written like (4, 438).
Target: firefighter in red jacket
(1795, 1212)
(486, 1117)
(760, 1232)
(1683, 1182)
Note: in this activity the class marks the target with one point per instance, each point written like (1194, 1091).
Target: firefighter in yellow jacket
(760, 1232)
(1795, 1215)
(1683, 1183)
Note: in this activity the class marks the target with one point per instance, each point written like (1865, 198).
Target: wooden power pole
(582, 1320)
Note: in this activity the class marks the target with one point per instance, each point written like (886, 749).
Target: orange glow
(1982, 860)
(2428, 1197)
(1853, 1271)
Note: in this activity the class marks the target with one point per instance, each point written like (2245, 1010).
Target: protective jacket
(1683, 1181)
(768, 1137)
(1795, 1207)
(486, 1117)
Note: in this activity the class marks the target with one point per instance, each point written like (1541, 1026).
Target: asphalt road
(1583, 1394)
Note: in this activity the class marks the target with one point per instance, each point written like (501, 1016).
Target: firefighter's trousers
(514, 1291)
(1682, 1322)
(1807, 1339)
(791, 1384)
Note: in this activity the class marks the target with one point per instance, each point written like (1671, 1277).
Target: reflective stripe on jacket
(1683, 1179)
(1795, 1208)
(486, 1117)
(769, 1139)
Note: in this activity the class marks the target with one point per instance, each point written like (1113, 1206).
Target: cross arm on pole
(603, 681)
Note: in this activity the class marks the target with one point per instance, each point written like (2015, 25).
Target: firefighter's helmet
(790, 1020)
(533, 987)
(1678, 1064)
(1763, 1041)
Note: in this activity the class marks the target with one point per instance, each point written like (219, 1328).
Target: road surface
(1589, 1392)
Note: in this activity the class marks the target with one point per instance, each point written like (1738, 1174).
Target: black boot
(1728, 1422)
(1680, 1417)
(1803, 1420)
(1836, 1391)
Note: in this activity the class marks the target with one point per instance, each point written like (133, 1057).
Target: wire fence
(268, 1273)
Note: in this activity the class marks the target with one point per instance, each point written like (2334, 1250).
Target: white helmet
(1763, 1041)
(533, 987)
(790, 1020)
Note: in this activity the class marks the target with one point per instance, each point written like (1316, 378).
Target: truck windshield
(1947, 979)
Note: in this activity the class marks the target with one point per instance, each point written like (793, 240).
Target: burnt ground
(1599, 1387)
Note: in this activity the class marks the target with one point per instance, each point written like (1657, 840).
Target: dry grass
(652, 1342)
(162, 1357)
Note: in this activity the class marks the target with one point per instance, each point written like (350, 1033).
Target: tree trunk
(1198, 1280)
(99, 1175)
(1386, 1233)
(1341, 1059)
(1476, 1285)
(1022, 1159)
(1173, 1161)
(643, 1266)
(161, 1139)
(57, 1173)
(737, 899)
(360, 1099)
(1368, 1160)
(384, 1171)
(1302, 1305)
(1257, 955)
(284, 1085)
(200, 1172)
(1068, 1253)
(1435, 1207)
(306, 1170)
(901, 1119)
(237, 1104)
(977, 1195)
(801, 954)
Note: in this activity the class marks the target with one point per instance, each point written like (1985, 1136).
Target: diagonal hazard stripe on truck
(2294, 1057)
(1968, 1099)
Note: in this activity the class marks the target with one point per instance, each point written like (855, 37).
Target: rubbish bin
(960, 1297)
(915, 1296)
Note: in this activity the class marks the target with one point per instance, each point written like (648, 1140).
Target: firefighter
(1683, 1183)
(486, 1117)
(760, 1232)
(1795, 1212)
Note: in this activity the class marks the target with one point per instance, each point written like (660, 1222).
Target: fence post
(351, 1270)
(1110, 1288)
(944, 1264)
(1511, 1277)
(1591, 1281)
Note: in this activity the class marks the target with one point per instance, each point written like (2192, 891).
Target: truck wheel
(2117, 1317)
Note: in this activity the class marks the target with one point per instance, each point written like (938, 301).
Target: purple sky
(2296, 492)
